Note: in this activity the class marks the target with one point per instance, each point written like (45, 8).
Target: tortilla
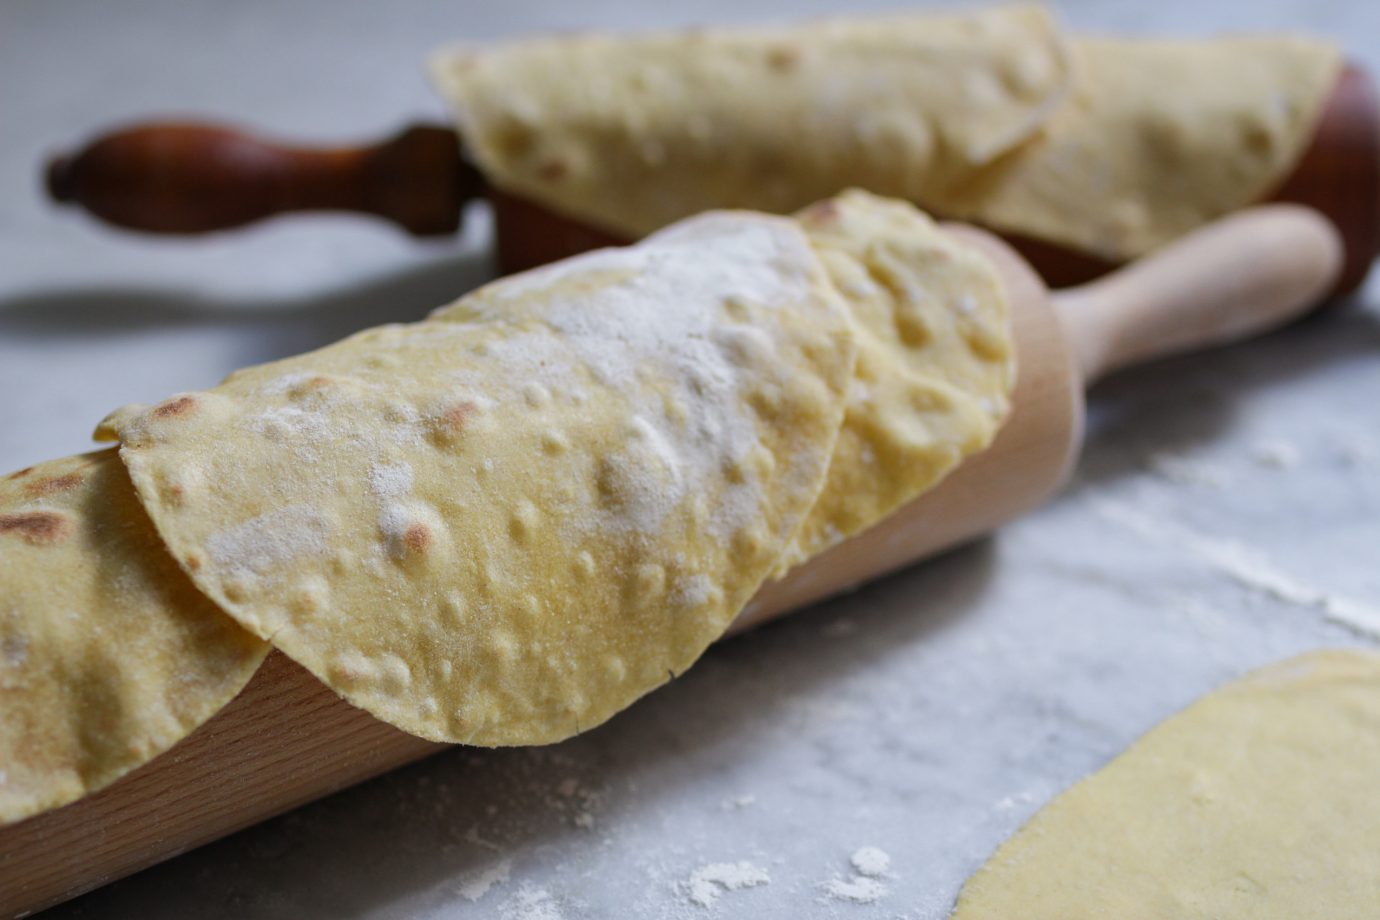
(506, 523)
(1258, 801)
(1108, 146)
(936, 361)
(1160, 137)
(630, 133)
(108, 655)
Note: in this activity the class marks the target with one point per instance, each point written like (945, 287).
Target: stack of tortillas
(505, 523)
(1107, 146)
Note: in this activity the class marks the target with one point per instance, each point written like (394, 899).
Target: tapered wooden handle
(182, 177)
(1241, 276)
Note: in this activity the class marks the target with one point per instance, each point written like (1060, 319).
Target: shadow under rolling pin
(186, 177)
(287, 739)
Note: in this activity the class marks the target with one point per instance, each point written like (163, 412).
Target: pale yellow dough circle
(1255, 803)
(504, 524)
(108, 655)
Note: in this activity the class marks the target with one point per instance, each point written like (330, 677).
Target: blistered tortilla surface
(506, 523)
(1107, 146)
(108, 654)
(1255, 803)
(1159, 137)
(936, 360)
(630, 133)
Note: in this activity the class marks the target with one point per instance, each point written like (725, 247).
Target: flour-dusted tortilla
(1160, 137)
(108, 655)
(504, 524)
(936, 361)
(1256, 803)
(629, 133)
(935, 366)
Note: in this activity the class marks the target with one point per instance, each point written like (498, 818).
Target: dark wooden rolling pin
(185, 177)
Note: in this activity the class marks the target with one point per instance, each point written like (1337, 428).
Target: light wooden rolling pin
(287, 739)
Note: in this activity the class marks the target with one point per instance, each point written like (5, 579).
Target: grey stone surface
(1224, 516)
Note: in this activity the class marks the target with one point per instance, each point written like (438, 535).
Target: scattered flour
(1185, 471)
(1249, 568)
(531, 903)
(286, 383)
(693, 591)
(869, 865)
(738, 803)
(654, 314)
(1016, 800)
(389, 480)
(871, 861)
(859, 889)
(474, 887)
(577, 802)
(707, 883)
(303, 427)
(269, 541)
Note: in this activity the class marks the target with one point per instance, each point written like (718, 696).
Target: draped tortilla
(1258, 801)
(1160, 137)
(935, 363)
(629, 133)
(935, 368)
(1110, 146)
(108, 654)
(502, 525)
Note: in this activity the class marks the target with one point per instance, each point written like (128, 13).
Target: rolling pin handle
(187, 178)
(1241, 276)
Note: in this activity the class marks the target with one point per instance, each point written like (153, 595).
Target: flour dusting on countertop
(475, 886)
(1186, 471)
(859, 889)
(531, 903)
(707, 883)
(871, 861)
(1248, 567)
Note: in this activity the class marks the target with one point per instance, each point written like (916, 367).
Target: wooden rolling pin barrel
(287, 739)
(182, 178)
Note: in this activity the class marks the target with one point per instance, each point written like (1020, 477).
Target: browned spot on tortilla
(193, 563)
(449, 424)
(553, 170)
(455, 417)
(312, 384)
(417, 537)
(20, 474)
(42, 487)
(175, 408)
(42, 528)
(783, 59)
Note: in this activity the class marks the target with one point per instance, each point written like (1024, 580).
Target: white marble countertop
(1226, 512)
